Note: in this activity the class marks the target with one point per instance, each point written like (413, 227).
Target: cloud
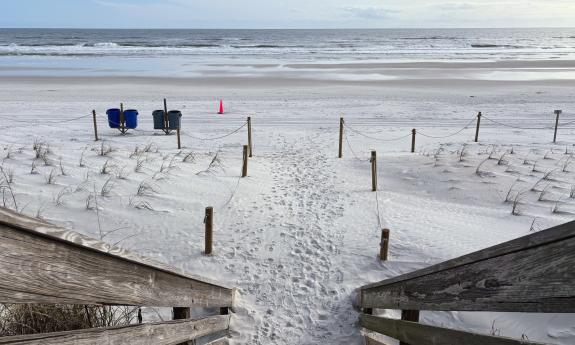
(371, 13)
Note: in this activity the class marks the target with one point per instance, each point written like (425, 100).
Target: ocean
(192, 52)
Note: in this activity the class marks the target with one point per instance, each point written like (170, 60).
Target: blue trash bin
(174, 119)
(131, 118)
(113, 118)
(159, 122)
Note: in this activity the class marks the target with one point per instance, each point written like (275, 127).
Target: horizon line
(303, 28)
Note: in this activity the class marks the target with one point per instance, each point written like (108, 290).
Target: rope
(450, 135)
(378, 214)
(352, 150)
(511, 126)
(233, 192)
(49, 122)
(566, 123)
(373, 138)
(220, 137)
(43, 123)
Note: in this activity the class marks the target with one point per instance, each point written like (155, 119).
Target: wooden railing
(532, 274)
(41, 263)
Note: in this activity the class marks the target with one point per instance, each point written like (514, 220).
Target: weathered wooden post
(413, 132)
(384, 245)
(409, 315)
(250, 135)
(182, 314)
(95, 125)
(179, 138)
(557, 112)
(245, 162)
(373, 161)
(209, 222)
(340, 137)
(122, 119)
(477, 128)
(166, 130)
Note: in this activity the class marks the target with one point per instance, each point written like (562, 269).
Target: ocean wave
(487, 45)
(425, 38)
(263, 46)
(48, 54)
(111, 45)
(104, 45)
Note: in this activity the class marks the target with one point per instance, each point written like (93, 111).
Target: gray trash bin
(159, 119)
(174, 119)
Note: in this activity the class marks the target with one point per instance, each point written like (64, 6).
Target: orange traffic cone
(221, 107)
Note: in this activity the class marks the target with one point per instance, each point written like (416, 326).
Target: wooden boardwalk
(41, 263)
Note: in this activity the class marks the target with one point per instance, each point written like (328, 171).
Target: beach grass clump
(51, 177)
(107, 187)
(24, 319)
(105, 150)
(59, 198)
(502, 160)
(81, 162)
(122, 173)
(106, 168)
(146, 188)
(215, 164)
(189, 157)
(508, 196)
(515, 207)
(140, 164)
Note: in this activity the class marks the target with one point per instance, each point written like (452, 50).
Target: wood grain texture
(43, 264)
(418, 334)
(223, 341)
(24, 223)
(530, 274)
(370, 341)
(164, 333)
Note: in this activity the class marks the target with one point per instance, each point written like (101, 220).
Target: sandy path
(298, 243)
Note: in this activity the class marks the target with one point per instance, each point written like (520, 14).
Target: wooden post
(477, 128)
(384, 245)
(557, 112)
(373, 161)
(250, 134)
(409, 315)
(122, 119)
(340, 137)
(209, 221)
(166, 117)
(245, 163)
(413, 132)
(95, 126)
(179, 139)
(182, 314)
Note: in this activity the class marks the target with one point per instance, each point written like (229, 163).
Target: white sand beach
(301, 233)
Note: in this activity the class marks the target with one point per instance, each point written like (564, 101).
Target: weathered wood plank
(40, 228)
(370, 341)
(418, 334)
(531, 274)
(223, 341)
(164, 333)
(36, 268)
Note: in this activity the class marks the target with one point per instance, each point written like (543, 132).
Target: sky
(286, 13)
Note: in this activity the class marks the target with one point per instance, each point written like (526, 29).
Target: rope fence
(468, 125)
